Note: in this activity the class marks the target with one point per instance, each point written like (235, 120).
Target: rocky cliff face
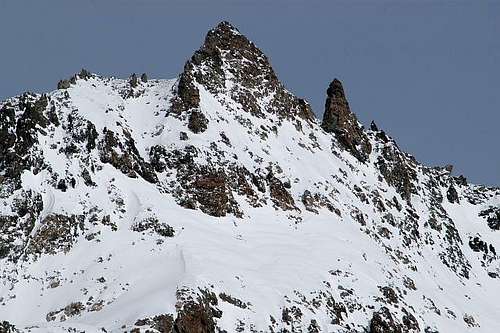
(217, 202)
(239, 75)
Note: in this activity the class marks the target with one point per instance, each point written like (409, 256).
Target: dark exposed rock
(382, 136)
(83, 133)
(227, 54)
(396, 203)
(56, 233)
(194, 318)
(157, 157)
(63, 84)
(160, 228)
(144, 78)
(8, 160)
(410, 323)
(19, 137)
(358, 216)
(133, 81)
(197, 315)
(477, 195)
(61, 185)
(279, 194)
(87, 179)
(233, 300)
(197, 122)
(71, 310)
(32, 116)
(409, 283)
(28, 203)
(183, 136)
(398, 170)
(313, 327)
(383, 322)
(291, 315)
(91, 136)
(123, 155)
(52, 115)
(335, 106)
(451, 253)
(492, 250)
(188, 96)
(487, 255)
(6, 327)
(225, 139)
(389, 294)
(339, 119)
(84, 74)
(7, 223)
(210, 192)
(337, 311)
(453, 256)
(205, 186)
(452, 195)
(461, 180)
(478, 245)
(162, 323)
(15, 229)
(470, 321)
(492, 216)
(313, 202)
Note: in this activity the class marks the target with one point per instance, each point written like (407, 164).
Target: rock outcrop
(232, 68)
(339, 119)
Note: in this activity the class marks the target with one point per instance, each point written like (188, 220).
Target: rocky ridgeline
(229, 160)
(233, 69)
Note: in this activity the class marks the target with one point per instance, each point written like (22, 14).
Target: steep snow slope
(217, 202)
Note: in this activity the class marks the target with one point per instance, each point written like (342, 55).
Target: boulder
(452, 194)
(197, 122)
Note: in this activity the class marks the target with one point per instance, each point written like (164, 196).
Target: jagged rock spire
(337, 111)
(225, 51)
(230, 65)
(339, 119)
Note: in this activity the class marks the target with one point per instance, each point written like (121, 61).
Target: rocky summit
(217, 202)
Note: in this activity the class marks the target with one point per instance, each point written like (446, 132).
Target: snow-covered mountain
(217, 202)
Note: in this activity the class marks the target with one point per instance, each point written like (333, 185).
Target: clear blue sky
(427, 72)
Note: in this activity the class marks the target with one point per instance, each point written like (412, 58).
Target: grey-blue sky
(427, 72)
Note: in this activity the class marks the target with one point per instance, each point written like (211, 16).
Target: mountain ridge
(217, 201)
